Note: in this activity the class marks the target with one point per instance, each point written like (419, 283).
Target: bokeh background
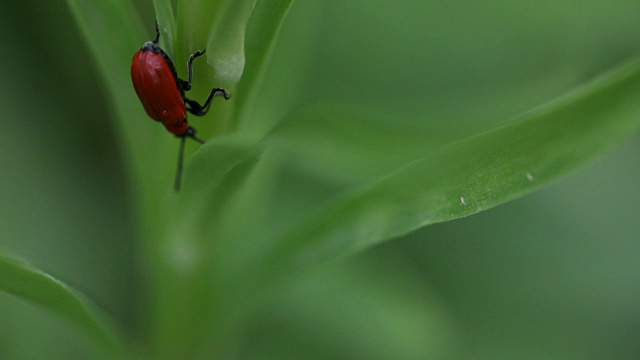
(554, 275)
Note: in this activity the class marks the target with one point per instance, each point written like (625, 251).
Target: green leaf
(340, 311)
(30, 284)
(262, 34)
(228, 38)
(477, 173)
(114, 34)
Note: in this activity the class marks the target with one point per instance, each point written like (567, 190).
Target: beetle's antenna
(183, 139)
(155, 41)
(176, 184)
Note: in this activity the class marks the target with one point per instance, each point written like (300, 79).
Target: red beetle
(161, 92)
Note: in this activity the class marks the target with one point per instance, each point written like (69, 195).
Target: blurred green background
(554, 275)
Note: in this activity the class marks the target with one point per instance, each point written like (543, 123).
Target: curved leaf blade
(30, 284)
(260, 38)
(479, 172)
(227, 36)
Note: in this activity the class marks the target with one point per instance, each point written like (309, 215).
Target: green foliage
(22, 280)
(351, 124)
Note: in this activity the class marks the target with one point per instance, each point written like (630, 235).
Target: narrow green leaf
(480, 172)
(30, 284)
(114, 34)
(261, 36)
(228, 38)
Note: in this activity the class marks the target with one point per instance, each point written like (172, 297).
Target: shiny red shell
(155, 81)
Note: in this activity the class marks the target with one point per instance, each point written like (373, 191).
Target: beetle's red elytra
(162, 93)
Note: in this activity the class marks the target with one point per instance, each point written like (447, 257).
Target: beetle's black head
(191, 132)
(150, 46)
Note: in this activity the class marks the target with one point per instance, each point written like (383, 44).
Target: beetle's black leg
(186, 85)
(196, 109)
(200, 141)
